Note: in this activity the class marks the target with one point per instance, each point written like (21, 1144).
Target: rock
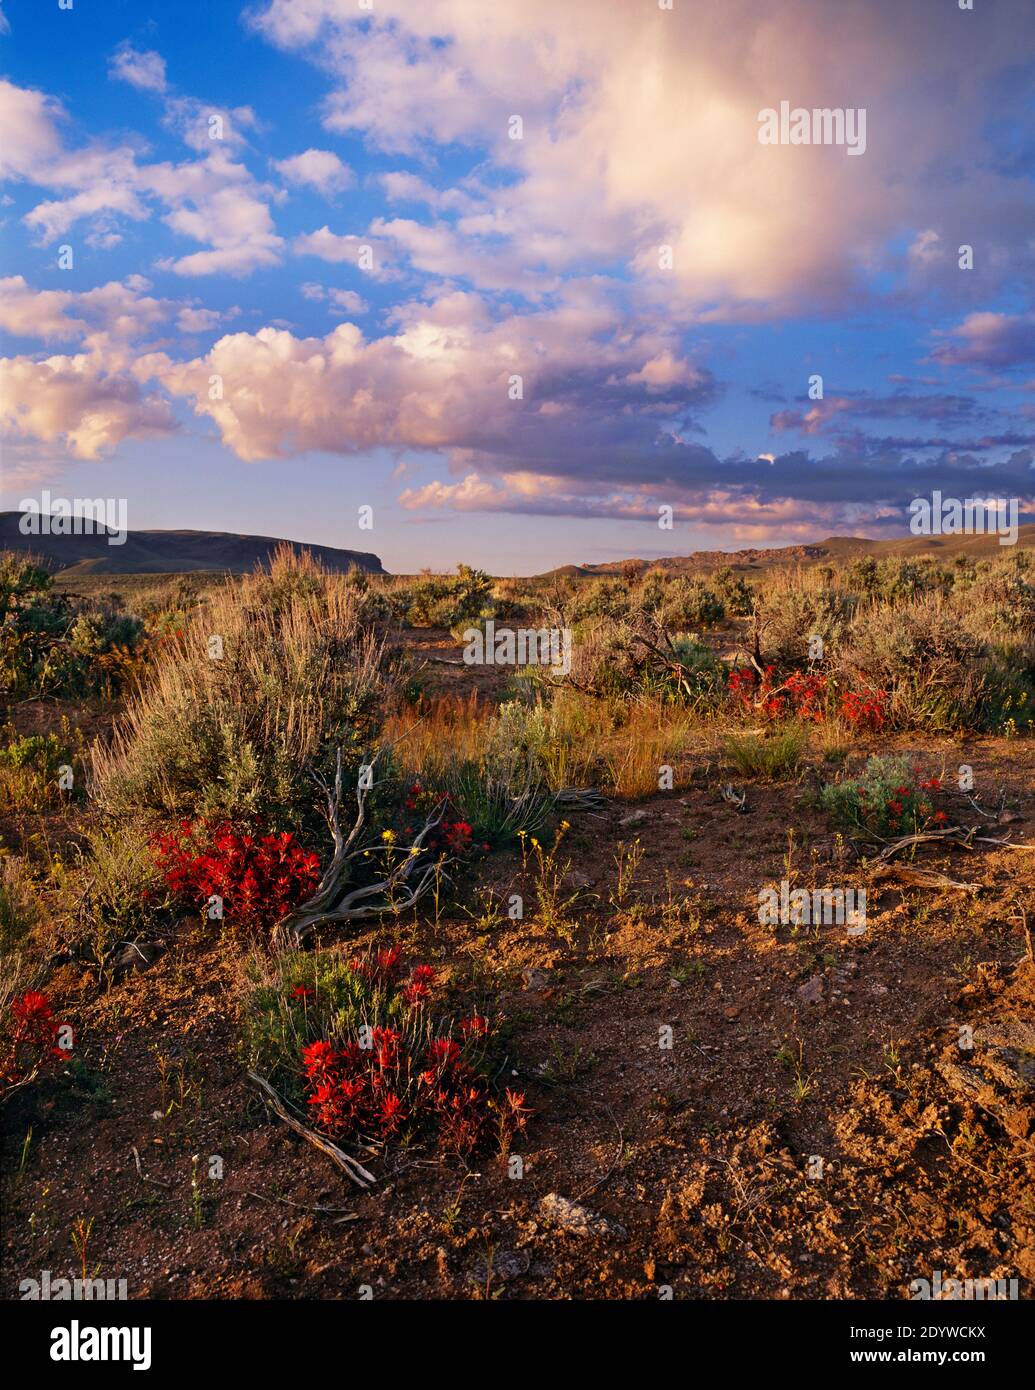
(634, 818)
(503, 1264)
(997, 1073)
(1008, 1051)
(535, 979)
(577, 1220)
(135, 956)
(811, 992)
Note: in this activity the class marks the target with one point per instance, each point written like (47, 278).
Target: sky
(517, 276)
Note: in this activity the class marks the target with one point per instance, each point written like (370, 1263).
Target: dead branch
(354, 1171)
(412, 873)
(300, 1206)
(953, 834)
(920, 878)
(964, 837)
(142, 1175)
(735, 798)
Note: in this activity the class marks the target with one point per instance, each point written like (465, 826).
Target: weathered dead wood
(920, 878)
(353, 1170)
(331, 902)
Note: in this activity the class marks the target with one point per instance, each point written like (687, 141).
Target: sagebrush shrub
(240, 735)
(792, 609)
(921, 655)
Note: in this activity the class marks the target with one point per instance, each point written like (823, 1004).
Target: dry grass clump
(768, 757)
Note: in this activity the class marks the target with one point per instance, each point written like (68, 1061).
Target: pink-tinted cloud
(76, 401)
(989, 340)
(319, 169)
(639, 132)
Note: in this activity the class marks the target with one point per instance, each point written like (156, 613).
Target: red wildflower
(474, 1027)
(444, 1052)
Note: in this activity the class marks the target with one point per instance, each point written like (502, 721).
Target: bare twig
(921, 878)
(614, 1162)
(301, 1206)
(143, 1176)
(354, 1171)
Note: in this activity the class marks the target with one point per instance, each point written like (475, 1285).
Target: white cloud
(119, 311)
(191, 320)
(319, 169)
(144, 70)
(640, 131)
(29, 120)
(348, 300)
(214, 200)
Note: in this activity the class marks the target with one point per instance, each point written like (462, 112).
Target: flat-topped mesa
(65, 543)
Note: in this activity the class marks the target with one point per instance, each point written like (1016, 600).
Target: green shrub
(604, 598)
(689, 605)
(736, 594)
(449, 601)
(30, 768)
(52, 644)
(889, 798)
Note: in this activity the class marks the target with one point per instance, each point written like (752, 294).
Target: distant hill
(168, 552)
(832, 551)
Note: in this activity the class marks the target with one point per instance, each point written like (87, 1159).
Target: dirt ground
(814, 1130)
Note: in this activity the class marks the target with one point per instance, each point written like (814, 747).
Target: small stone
(135, 956)
(811, 992)
(576, 1219)
(504, 1265)
(534, 979)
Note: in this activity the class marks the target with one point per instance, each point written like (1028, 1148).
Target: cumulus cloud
(192, 320)
(144, 70)
(552, 350)
(319, 169)
(401, 186)
(346, 300)
(214, 200)
(640, 131)
(443, 380)
(30, 123)
(118, 311)
(76, 401)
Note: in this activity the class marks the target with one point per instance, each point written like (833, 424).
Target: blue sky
(324, 210)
